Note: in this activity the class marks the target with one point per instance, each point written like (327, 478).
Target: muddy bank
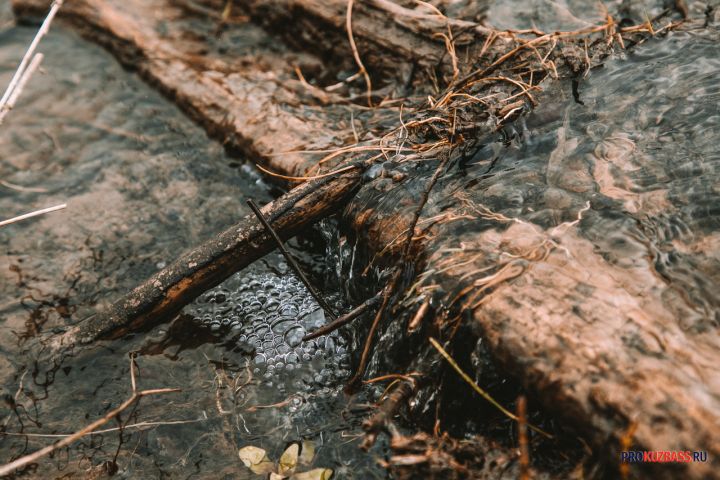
(513, 245)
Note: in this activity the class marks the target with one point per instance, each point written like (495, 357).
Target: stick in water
(321, 301)
(32, 214)
(135, 397)
(479, 390)
(20, 86)
(345, 319)
(19, 73)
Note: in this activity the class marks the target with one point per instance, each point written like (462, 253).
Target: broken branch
(206, 266)
(344, 319)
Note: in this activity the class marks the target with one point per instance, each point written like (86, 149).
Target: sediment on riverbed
(513, 277)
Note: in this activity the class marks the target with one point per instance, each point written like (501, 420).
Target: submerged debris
(295, 455)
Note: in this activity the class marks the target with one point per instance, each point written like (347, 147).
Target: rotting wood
(206, 266)
(387, 33)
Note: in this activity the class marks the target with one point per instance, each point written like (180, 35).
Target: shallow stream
(142, 182)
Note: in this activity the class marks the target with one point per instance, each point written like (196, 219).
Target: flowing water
(142, 183)
(635, 154)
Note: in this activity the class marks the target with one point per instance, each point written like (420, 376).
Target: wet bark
(206, 266)
(387, 34)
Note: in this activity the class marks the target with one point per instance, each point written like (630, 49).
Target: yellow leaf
(256, 459)
(289, 459)
(307, 453)
(314, 474)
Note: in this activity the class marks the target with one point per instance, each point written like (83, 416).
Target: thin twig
(139, 425)
(305, 178)
(30, 53)
(479, 390)
(320, 300)
(35, 456)
(344, 319)
(392, 284)
(356, 54)
(20, 188)
(357, 378)
(20, 86)
(32, 214)
(418, 317)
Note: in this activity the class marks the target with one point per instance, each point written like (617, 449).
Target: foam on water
(268, 314)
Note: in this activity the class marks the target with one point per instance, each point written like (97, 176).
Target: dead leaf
(289, 459)
(307, 453)
(256, 459)
(314, 474)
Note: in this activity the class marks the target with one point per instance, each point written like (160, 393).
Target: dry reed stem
(20, 188)
(357, 378)
(394, 376)
(139, 426)
(135, 397)
(418, 317)
(29, 71)
(479, 390)
(303, 178)
(29, 55)
(32, 214)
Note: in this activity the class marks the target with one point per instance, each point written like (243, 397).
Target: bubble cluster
(269, 314)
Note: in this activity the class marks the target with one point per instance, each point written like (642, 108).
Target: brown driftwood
(166, 292)
(252, 102)
(387, 33)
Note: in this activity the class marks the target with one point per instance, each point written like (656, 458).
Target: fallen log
(251, 101)
(389, 36)
(206, 266)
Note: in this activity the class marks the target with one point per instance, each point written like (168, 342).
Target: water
(268, 314)
(642, 150)
(638, 157)
(639, 153)
(142, 183)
